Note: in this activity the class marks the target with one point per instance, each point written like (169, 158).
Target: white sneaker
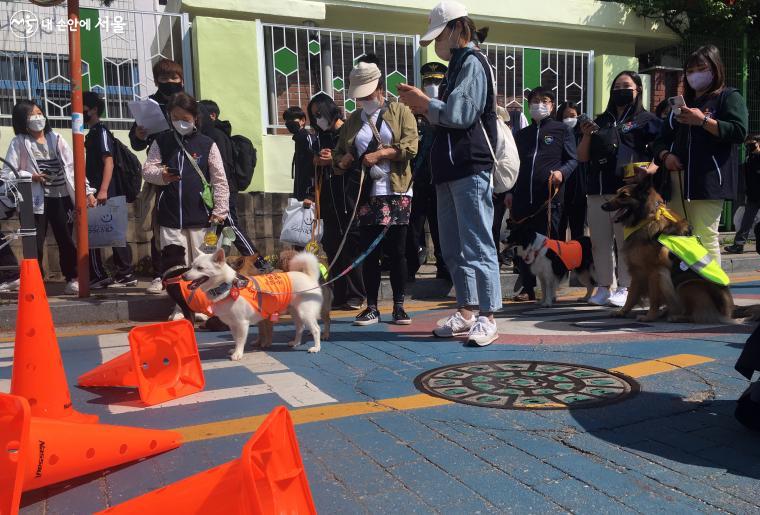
(619, 297)
(601, 296)
(176, 315)
(156, 287)
(10, 286)
(483, 333)
(455, 325)
(72, 287)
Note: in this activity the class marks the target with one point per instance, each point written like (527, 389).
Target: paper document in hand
(148, 114)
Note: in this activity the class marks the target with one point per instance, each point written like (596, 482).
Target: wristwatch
(704, 121)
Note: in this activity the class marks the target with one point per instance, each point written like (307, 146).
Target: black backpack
(245, 160)
(127, 168)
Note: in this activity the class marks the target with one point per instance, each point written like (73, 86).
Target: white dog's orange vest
(268, 294)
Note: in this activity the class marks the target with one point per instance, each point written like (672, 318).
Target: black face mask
(87, 117)
(622, 97)
(167, 89)
(293, 126)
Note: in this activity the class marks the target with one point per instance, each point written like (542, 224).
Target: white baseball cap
(441, 14)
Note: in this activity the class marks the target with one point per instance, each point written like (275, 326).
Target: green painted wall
(225, 59)
(606, 67)
(92, 52)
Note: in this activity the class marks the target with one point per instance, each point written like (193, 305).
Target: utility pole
(77, 131)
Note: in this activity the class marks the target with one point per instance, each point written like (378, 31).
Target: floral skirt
(386, 210)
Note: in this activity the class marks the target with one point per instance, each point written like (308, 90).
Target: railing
(303, 61)
(119, 48)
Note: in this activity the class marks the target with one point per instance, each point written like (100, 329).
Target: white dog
(240, 302)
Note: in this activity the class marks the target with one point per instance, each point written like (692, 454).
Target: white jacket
(20, 155)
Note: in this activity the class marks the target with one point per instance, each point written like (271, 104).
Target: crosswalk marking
(5, 385)
(295, 390)
(200, 397)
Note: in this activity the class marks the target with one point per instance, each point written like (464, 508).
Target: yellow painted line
(660, 365)
(312, 414)
(418, 401)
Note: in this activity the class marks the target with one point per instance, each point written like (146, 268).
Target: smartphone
(676, 103)
(584, 118)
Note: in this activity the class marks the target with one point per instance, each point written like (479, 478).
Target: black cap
(433, 70)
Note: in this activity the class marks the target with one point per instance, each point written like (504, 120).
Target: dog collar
(220, 292)
(175, 279)
(538, 243)
(662, 212)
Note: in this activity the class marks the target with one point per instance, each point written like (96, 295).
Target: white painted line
(4, 364)
(5, 385)
(112, 345)
(256, 362)
(6, 353)
(200, 397)
(295, 390)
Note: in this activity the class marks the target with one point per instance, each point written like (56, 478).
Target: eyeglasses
(537, 101)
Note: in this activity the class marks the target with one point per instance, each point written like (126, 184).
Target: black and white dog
(551, 260)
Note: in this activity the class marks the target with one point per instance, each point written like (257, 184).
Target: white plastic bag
(107, 225)
(298, 223)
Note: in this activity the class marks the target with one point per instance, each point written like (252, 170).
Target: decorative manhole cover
(526, 385)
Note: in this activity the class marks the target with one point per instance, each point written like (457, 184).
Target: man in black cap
(424, 203)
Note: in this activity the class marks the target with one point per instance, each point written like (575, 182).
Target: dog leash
(542, 206)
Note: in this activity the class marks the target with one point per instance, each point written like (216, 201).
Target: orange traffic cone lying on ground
(38, 451)
(38, 373)
(163, 363)
(268, 478)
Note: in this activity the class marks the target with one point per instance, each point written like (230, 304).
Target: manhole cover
(526, 385)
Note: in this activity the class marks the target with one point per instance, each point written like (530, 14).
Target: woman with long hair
(619, 136)
(699, 145)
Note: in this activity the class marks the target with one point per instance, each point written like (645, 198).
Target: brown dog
(654, 274)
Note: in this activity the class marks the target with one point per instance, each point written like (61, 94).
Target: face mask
(570, 122)
(183, 127)
(443, 47)
(622, 97)
(700, 81)
(323, 123)
(36, 122)
(539, 111)
(370, 107)
(167, 89)
(293, 126)
(87, 117)
(431, 90)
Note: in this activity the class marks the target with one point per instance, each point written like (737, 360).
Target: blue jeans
(465, 217)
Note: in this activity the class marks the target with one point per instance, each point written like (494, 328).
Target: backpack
(245, 160)
(127, 168)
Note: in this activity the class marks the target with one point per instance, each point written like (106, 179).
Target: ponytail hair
(469, 31)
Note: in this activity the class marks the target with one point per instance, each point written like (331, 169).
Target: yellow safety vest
(693, 255)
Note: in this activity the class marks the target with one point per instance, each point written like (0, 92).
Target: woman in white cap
(381, 139)
(461, 164)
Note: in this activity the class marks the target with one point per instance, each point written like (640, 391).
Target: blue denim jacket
(467, 99)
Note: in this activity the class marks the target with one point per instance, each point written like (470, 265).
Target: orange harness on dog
(570, 252)
(268, 295)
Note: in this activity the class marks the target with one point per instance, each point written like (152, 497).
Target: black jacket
(136, 143)
(617, 143)
(543, 147)
(219, 131)
(751, 176)
(302, 168)
(179, 204)
(710, 163)
(459, 153)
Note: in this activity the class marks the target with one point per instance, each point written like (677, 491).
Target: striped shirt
(50, 166)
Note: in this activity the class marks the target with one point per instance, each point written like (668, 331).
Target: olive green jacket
(403, 126)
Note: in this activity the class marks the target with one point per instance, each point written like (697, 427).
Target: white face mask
(36, 122)
(183, 127)
(570, 122)
(323, 123)
(370, 107)
(444, 46)
(431, 90)
(700, 81)
(539, 111)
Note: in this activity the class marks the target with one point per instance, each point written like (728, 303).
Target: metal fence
(119, 48)
(569, 73)
(303, 61)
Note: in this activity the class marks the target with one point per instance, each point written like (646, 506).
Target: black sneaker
(99, 284)
(400, 317)
(368, 317)
(734, 249)
(128, 281)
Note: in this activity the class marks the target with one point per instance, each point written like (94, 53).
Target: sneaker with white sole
(10, 286)
(156, 287)
(619, 297)
(482, 333)
(455, 325)
(126, 281)
(367, 317)
(601, 296)
(72, 287)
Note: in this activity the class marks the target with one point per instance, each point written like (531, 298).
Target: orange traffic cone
(268, 478)
(40, 451)
(38, 373)
(163, 363)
